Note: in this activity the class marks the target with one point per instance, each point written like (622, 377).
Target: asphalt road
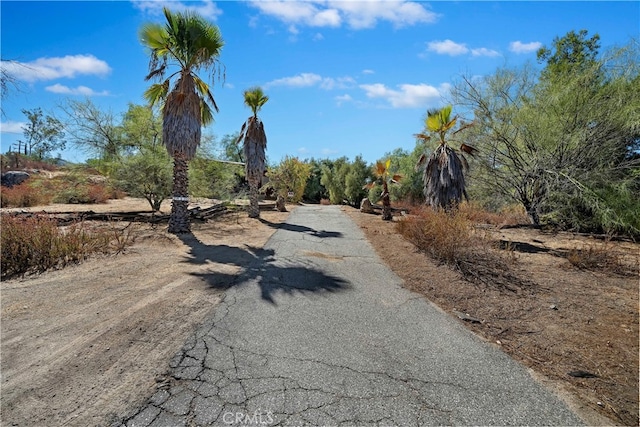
(318, 331)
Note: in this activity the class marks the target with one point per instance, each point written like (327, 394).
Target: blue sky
(344, 77)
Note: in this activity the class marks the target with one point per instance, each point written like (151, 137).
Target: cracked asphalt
(317, 331)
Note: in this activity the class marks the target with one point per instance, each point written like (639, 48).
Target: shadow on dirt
(272, 276)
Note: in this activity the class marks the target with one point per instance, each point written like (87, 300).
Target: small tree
(290, 176)
(146, 174)
(384, 177)
(444, 183)
(43, 134)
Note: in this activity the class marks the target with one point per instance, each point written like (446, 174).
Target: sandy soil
(570, 319)
(82, 345)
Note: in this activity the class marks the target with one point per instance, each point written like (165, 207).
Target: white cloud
(519, 47)
(356, 14)
(341, 99)
(368, 72)
(68, 66)
(329, 83)
(483, 51)
(312, 79)
(406, 96)
(206, 8)
(318, 37)
(80, 90)
(366, 14)
(301, 80)
(12, 127)
(447, 47)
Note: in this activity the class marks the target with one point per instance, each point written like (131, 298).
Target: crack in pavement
(290, 344)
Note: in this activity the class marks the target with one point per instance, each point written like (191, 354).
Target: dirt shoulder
(82, 345)
(572, 320)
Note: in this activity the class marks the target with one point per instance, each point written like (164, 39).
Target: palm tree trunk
(254, 208)
(179, 219)
(386, 204)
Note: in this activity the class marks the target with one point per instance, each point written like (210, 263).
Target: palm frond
(157, 93)
(255, 98)
(205, 92)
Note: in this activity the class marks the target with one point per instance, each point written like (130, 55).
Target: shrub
(449, 238)
(22, 196)
(445, 237)
(35, 244)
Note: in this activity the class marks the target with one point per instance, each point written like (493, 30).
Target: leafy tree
(289, 176)
(192, 44)
(571, 53)
(141, 127)
(42, 134)
(146, 174)
(333, 179)
(143, 169)
(93, 130)
(561, 142)
(384, 177)
(254, 146)
(209, 176)
(359, 173)
(314, 191)
(444, 181)
(411, 188)
(229, 149)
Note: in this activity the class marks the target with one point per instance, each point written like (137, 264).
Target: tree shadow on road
(259, 265)
(301, 229)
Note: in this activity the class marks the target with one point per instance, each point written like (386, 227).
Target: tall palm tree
(190, 43)
(443, 178)
(255, 144)
(384, 177)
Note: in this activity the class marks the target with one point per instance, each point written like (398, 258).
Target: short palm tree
(255, 144)
(443, 178)
(384, 177)
(190, 43)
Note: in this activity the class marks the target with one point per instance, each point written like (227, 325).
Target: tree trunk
(254, 208)
(179, 219)
(386, 204)
(281, 204)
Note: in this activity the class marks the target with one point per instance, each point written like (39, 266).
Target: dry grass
(600, 258)
(451, 239)
(36, 244)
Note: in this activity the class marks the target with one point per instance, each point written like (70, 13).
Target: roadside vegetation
(35, 244)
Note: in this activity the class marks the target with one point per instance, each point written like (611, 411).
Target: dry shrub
(449, 238)
(35, 244)
(22, 196)
(602, 257)
(512, 215)
(443, 236)
(325, 202)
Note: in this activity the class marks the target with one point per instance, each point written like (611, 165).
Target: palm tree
(443, 178)
(384, 178)
(255, 144)
(190, 43)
